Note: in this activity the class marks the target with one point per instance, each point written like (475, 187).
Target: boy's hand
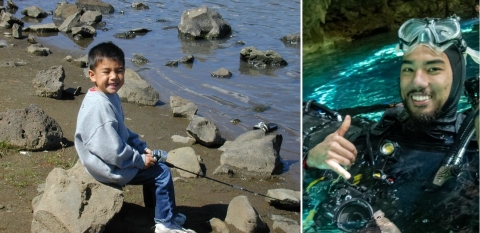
(148, 151)
(149, 161)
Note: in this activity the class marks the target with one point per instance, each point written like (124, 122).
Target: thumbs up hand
(334, 151)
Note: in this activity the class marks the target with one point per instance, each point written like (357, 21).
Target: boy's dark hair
(105, 50)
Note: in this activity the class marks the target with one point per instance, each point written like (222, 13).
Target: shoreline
(155, 124)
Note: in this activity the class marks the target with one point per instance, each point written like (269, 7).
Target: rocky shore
(24, 170)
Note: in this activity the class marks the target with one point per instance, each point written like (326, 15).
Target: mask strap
(475, 55)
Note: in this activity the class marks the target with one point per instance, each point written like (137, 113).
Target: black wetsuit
(405, 194)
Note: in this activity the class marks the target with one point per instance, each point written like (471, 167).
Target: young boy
(110, 152)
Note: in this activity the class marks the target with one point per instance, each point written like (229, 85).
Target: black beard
(423, 121)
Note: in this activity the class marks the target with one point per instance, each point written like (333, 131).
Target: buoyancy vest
(402, 187)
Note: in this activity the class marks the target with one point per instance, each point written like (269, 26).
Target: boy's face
(108, 76)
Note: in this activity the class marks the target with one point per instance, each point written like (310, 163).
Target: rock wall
(330, 23)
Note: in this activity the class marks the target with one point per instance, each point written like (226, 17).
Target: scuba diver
(417, 169)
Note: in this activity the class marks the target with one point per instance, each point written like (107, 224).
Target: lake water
(258, 24)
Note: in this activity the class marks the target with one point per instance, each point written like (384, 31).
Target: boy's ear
(91, 75)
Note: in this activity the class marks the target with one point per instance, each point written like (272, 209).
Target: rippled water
(366, 73)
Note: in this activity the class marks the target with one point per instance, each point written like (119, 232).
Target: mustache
(421, 90)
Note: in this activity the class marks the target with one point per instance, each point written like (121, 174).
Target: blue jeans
(157, 188)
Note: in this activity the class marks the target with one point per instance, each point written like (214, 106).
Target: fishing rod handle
(160, 155)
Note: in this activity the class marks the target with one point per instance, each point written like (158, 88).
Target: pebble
(68, 58)
(3, 44)
(235, 121)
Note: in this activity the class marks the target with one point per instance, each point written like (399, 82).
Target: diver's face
(425, 82)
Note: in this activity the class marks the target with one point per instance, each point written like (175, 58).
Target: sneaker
(179, 219)
(173, 228)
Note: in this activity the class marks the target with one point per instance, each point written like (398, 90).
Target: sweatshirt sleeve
(135, 142)
(106, 144)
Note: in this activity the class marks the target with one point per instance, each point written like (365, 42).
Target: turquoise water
(366, 72)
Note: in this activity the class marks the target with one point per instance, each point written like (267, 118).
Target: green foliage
(6, 148)
(58, 160)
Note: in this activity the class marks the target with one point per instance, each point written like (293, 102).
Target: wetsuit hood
(445, 121)
(457, 63)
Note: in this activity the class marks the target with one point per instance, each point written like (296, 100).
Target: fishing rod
(231, 185)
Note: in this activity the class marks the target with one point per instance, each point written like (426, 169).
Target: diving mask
(437, 34)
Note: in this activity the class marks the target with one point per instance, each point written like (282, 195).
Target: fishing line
(231, 185)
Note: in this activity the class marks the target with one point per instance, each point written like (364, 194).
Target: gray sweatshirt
(110, 152)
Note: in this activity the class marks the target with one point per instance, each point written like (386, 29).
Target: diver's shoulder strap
(391, 117)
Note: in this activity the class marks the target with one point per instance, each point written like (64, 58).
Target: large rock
(139, 60)
(91, 17)
(64, 10)
(95, 5)
(49, 82)
(38, 50)
(139, 6)
(222, 73)
(34, 12)
(185, 158)
(81, 62)
(244, 217)
(70, 22)
(283, 224)
(185, 140)
(9, 20)
(218, 226)
(31, 39)
(203, 22)
(137, 91)
(204, 131)
(11, 5)
(42, 28)
(255, 153)
(85, 31)
(285, 198)
(291, 39)
(30, 128)
(17, 31)
(182, 107)
(75, 202)
(125, 35)
(187, 59)
(261, 59)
